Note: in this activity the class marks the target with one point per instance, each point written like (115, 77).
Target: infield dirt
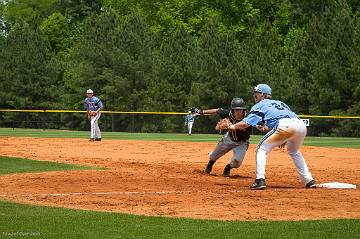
(167, 179)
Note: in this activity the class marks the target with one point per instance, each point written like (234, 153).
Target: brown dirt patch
(165, 178)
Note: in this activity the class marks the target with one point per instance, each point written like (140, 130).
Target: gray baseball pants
(225, 145)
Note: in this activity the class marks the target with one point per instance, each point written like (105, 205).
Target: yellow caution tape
(103, 111)
(329, 116)
(161, 113)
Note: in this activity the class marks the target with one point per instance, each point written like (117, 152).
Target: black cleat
(226, 172)
(91, 139)
(209, 166)
(311, 184)
(98, 139)
(258, 184)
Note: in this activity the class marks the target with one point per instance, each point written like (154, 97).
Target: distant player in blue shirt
(93, 106)
(189, 121)
(282, 126)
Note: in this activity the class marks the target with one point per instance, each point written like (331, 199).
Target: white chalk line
(149, 193)
(94, 193)
(110, 193)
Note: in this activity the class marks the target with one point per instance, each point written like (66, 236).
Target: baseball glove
(92, 113)
(223, 124)
(262, 128)
(196, 111)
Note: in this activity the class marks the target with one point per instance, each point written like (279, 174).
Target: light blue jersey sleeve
(93, 103)
(98, 103)
(269, 112)
(255, 116)
(86, 105)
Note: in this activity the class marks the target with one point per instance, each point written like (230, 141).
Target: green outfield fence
(157, 122)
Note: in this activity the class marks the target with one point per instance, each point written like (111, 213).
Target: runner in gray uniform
(237, 141)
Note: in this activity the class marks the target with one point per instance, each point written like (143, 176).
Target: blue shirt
(92, 104)
(269, 112)
(189, 118)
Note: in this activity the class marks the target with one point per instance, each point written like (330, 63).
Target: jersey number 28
(280, 106)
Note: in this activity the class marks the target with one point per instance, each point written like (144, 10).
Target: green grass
(17, 220)
(340, 142)
(19, 165)
(337, 142)
(107, 135)
(51, 222)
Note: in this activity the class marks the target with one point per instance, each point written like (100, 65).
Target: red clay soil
(166, 178)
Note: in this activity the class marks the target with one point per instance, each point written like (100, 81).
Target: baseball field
(57, 184)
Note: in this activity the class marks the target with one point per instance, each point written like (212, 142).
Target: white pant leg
(262, 150)
(292, 131)
(190, 125)
(293, 146)
(95, 130)
(92, 127)
(272, 139)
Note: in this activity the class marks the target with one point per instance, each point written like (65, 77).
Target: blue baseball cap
(263, 88)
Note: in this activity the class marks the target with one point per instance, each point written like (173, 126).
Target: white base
(336, 185)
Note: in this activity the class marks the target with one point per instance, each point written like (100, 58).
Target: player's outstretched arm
(198, 111)
(240, 126)
(211, 111)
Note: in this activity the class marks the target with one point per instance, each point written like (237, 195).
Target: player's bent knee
(293, 153)
(212, 156)
(235, 163)
(264, 148)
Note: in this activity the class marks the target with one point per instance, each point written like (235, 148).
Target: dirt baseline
(166, 178)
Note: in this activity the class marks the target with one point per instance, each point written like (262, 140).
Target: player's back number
(280, 106)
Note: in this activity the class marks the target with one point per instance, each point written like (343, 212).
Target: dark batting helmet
(237, 104)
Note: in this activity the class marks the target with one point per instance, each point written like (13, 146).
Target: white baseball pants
(94, 127)
(190, 125)
(292, 131)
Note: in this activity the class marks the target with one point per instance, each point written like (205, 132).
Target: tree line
(166, 55)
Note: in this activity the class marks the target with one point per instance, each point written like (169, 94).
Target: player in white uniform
(283, 126)
(93, 106)
(189, 120)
